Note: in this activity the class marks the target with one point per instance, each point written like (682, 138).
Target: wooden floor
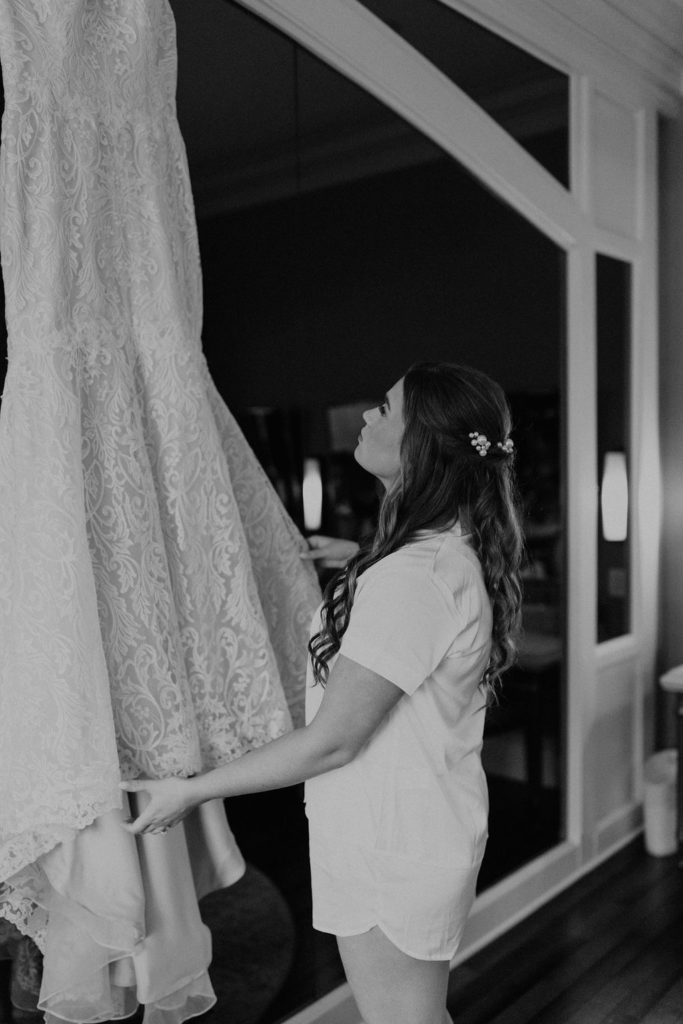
(609, 950)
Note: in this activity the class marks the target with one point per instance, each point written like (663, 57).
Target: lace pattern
(153, 605)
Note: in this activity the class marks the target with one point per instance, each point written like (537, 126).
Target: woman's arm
(355, 702)
(329, 552)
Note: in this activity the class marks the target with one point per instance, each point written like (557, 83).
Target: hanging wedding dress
(153, 606)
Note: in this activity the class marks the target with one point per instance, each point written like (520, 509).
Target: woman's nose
(367, 415)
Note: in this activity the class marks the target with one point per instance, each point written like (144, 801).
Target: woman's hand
(169, 801)
(330, 552)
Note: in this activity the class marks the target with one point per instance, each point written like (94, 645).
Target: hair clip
(480, 442)
(507, 446)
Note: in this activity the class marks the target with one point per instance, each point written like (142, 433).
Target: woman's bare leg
(391, 987)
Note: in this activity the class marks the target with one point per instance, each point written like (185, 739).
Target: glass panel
(346, 251)
(613, 298)
(526, 96)
(524, 744)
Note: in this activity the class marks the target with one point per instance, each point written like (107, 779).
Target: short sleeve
(401, 626)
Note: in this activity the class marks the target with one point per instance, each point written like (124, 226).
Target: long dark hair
(444, 479)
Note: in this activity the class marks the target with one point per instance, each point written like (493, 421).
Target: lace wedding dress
(153, 606)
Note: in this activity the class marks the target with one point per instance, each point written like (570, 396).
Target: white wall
(671, 409)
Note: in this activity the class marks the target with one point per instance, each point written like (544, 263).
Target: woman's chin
(360, 458)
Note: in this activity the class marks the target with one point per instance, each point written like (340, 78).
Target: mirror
(613, 304)
(338, 246)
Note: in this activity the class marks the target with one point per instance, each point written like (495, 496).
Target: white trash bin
(659, 803)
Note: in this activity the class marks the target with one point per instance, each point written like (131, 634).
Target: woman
(412, 637)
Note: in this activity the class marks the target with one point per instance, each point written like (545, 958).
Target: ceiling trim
(631, 48)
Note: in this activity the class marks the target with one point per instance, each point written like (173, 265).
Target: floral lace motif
(153, 606)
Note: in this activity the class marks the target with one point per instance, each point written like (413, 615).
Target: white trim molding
(632, 47)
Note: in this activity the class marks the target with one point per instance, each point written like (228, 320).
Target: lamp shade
(614, 497)
(312, 492)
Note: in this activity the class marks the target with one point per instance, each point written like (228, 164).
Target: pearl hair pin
(481, 443)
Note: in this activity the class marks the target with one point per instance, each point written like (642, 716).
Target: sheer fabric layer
(123, 920)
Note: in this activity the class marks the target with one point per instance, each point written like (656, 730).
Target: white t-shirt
(422, 619)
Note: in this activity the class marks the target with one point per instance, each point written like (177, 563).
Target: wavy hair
(443, 480)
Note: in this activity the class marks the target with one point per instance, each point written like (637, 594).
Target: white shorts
(421, 908)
